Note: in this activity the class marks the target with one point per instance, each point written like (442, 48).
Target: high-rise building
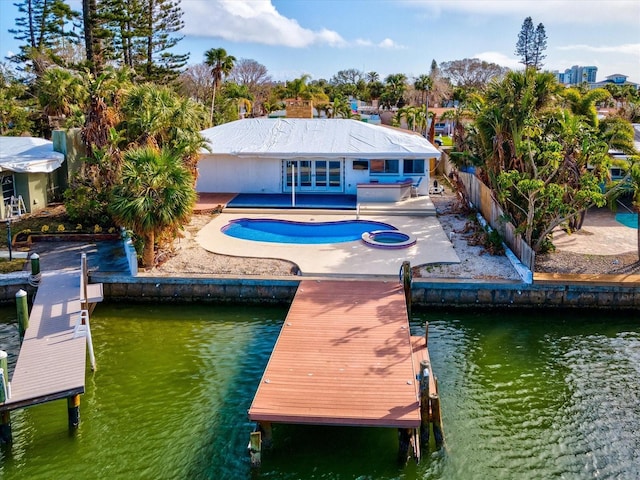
(577, 75)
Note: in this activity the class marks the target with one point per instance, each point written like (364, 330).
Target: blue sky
(321, 37)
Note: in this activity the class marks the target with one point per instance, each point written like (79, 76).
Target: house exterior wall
(259, 175)
(239, 175)
(69, 143)
(33, 188)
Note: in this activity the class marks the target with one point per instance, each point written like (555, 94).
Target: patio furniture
(415, 186)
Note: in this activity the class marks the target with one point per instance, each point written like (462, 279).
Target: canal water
(524, 396)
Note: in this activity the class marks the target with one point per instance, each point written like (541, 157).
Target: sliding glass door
(313, 175)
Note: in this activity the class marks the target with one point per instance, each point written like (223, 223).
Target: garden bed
(24, 239)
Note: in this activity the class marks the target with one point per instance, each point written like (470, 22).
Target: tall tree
(157, 117)
(162, 19)
(472, 72)
(16, 104)
(92, 42)
(255, 77)
(544, 163)
(423, 84)
(531, 44)
(62, 96)
(156, 197)
(44, 27)
(394, 89)
(221, 65)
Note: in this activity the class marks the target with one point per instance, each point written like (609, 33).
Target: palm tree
(156, 116)
(395, 86)
(156, 196)
(423, 84)
(341, 108)
(61, 94)
(372, 77)
(298, 88)
(221, 65)
(584, 103)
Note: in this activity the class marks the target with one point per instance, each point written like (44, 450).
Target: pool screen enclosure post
(293, 184)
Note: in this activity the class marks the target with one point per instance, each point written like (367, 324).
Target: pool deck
(348, 258)
(601, 234)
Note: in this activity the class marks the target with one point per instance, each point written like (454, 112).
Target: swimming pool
(285, 231)
(628, 219)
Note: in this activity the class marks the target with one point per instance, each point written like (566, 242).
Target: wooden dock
(344, 357)
(51, 363)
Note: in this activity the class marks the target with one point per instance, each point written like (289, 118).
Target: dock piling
(406, 283)
(4, 377)
(5, 427)
(424, 402)
(22, 311)
(34, 278)
(73, 410)
(255, 448)
(438, 434)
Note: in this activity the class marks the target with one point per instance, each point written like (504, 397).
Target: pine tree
(539, 46)
(531, 43)
(44, 27)
(162, 19)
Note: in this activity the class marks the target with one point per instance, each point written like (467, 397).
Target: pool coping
(347, 258)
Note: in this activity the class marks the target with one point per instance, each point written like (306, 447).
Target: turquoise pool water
(628, 219)
(525, 395)
(286, 231)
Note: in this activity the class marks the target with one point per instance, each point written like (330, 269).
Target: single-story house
(27, 171)
(343, 156)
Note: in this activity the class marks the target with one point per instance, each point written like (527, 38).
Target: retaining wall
(450, 294)
(424, 294)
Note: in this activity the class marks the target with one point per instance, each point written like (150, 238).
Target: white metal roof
(28, 155)
(314, 138)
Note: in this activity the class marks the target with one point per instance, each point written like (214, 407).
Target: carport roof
(298, 138)
(28, 155)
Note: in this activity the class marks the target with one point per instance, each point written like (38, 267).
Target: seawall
(442, 293)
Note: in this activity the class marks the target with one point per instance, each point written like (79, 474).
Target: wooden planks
(207, 202)
(343, 357)
(51, 363)
(621, 280)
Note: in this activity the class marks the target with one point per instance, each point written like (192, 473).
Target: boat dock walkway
(51, 363)
(344, 356)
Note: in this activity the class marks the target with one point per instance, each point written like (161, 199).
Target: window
(385, 166)
(7, 188)
(413, 167)
(361, 165)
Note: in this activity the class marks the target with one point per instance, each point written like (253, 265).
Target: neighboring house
(615, 79)
(265, 155)
(28, 168)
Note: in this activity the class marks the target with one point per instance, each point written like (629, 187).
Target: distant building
(577, 75)
(615, 79)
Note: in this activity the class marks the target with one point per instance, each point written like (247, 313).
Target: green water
(523, 396)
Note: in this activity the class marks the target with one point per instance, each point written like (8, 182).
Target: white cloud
(258, 21)
(389, 44)
(253, 21)
(557, 12)
(500, 59)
